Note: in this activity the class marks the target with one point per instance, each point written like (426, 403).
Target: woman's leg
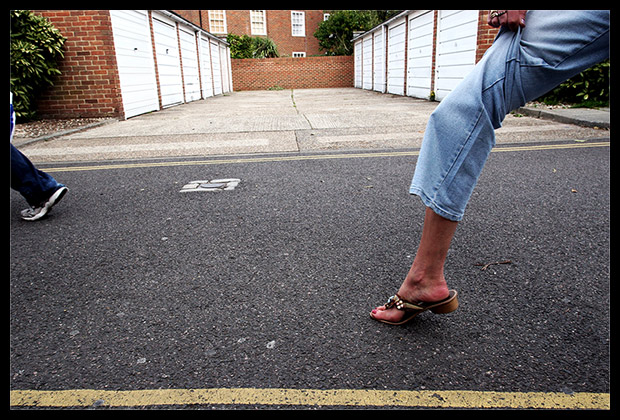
(520, 66)
(425, 281)
(33, 184)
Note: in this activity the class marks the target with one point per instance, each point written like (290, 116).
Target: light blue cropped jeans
(519, 67)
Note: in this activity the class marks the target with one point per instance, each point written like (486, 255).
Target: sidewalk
(584, 117)
(303, 120)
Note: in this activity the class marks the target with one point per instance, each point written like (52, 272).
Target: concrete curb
(583, 117)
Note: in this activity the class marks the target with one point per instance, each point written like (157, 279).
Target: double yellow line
(310, 397)
(228, 161)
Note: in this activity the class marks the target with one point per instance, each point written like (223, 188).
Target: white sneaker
(35, 213)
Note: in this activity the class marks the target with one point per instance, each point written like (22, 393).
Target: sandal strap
(401, 304)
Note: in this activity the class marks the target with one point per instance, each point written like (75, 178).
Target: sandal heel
(446, 307)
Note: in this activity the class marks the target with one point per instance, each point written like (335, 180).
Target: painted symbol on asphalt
(214, 185)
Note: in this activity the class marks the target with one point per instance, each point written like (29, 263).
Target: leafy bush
(335, 33)
(244, 46)
(591, 87)
(264, 48)
(36, 47)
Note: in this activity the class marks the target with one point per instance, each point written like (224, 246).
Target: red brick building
(291, 30)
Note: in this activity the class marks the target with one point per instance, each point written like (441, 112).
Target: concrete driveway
(276, 122)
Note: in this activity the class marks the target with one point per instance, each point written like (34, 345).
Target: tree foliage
(36, 47)
(244, 46)
(335, 33)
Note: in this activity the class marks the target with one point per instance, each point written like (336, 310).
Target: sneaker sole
(53, 200)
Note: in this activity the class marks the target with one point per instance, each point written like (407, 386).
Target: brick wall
(292, 73)
(278, 28)
(89, 85)
(486, 34)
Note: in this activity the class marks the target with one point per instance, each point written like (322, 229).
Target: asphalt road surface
(130, 284)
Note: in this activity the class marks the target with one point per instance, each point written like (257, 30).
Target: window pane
(257, 22)
(217, 21)
(298, 24)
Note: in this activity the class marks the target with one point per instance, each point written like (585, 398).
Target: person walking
(40, 190)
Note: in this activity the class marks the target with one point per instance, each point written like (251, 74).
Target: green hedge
(36, 47)
(589, 88)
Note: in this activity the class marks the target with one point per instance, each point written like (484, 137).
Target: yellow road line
(311, 397)
(229, 161)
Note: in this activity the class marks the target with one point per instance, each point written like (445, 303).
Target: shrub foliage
(36, 47)
(244, 46)
(589, 87)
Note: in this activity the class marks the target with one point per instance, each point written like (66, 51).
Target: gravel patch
(46, 127)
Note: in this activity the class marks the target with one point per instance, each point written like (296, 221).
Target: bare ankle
(426, 286)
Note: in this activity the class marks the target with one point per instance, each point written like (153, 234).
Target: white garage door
(420, 55)
(396, 58)
(367, 62)
(134, 58)
(205, 67)
(456, 48)
(379, 61)
(168, 60)
(189, 59)
(217, 69)
(224, 64)
(357, 65)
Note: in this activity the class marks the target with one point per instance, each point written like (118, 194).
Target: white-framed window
(325, 16)
(299, 53)
(298, 23)
(217, 21)
(258, 22)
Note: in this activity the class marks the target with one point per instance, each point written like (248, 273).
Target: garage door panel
(456, 71)
(168, 62)
(367, 63)
(379, 61)
(458, 32)
(396, 59)
(224, 68)
(420, 55)
(217, 70)
(189, 59)
(134, 56)
(455, 46)
(205, 67)
(456, 49)
(456, 58)
(359, 65)
(453, 18)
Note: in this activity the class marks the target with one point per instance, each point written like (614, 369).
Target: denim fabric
(519, 67)
(34, 185)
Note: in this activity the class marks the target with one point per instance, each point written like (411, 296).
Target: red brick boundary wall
(292, 73)
(89, 85)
